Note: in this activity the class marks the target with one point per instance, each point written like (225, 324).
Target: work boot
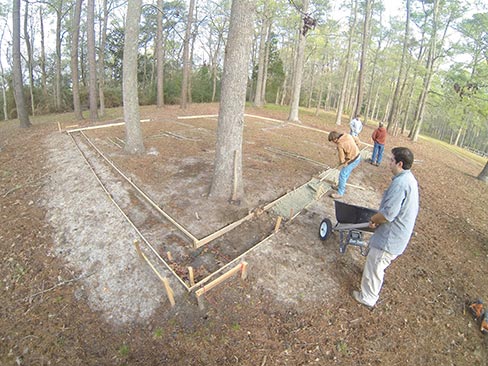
(359, 298)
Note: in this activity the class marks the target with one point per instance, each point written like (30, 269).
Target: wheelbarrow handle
(361, 225)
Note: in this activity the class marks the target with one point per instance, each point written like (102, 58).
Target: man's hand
(376, 220)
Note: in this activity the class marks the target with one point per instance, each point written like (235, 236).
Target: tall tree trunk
(484, 174)
(74, 60)
(396, 94)
(4, 92)
(347, 65)
(92, 62)
(160, 56)
(101, 58)
(227, 176)
(186, 57)
(298, 72)
(58, 91)
(17, 68)
(266, 60)
(133, 134)
(258, 97)
(362, 63)
(42, 57)
(28, 45)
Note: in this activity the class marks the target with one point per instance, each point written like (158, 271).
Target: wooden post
(191, 276)
(201, 305)
(170, 257)
(164, 280)
(278, 224)
(291, 213)
(138, 249)
(244, 269)
(59, 127)
(169, 291)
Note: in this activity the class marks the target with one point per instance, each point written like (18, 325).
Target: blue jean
(344, 175)
(378, 153)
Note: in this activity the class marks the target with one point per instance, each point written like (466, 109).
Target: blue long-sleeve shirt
(400, 206)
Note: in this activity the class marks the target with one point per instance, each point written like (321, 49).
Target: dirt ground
(75, 292)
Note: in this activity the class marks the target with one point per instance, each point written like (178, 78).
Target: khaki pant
(373, 274)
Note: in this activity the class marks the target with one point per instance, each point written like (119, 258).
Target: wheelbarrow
(352, 224)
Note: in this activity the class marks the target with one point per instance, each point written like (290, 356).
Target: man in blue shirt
(393, 224)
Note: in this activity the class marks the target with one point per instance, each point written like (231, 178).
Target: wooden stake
(218, 280)
(191, 276)
(164, 280)
(138, 249)
(59, 127)
(291, 213)
(170, 257)
(169, 291)
(278, 223)
(244, 270)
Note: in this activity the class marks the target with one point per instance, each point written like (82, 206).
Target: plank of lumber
(191, 275)
(102, 126)
(219, 280)
(164, 280)
(222, 231)
(201, 116)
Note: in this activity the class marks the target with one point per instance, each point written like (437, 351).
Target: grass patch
(124, 350)
(455, 149)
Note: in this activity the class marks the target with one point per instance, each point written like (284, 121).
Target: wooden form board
(101, 126)
(200, 242)
(239, 268)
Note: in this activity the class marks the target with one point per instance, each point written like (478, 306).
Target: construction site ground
(75, 292)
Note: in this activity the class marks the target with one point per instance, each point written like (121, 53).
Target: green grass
(158, 333)
(455, 149)
(124, 350)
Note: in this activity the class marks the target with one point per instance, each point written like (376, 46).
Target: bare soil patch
(75, 292)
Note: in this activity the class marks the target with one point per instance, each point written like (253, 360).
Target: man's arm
(376, 220)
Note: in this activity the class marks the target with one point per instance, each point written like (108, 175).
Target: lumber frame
(164, 280)
(144, 195)
(243, 267)
(101, 126)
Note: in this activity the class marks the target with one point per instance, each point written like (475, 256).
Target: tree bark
(17, 68)
(227, 176)
(258, 98)
(160, 56)
(133, 134)
(101, 59)
(362, 63)
(28, 46)
(58, 91)
(186, 57)
(484, 174)
(74, 60)
(394, 106)
(298, 72)
(342, 95)
(92, 63)
(42, 59)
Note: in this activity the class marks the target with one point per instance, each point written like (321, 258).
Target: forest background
(421, 68)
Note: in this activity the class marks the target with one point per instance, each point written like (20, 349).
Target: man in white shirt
(356, 126)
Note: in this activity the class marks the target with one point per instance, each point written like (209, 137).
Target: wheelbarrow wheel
(325, 229)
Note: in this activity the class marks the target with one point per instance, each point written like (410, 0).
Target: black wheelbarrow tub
(351, 214)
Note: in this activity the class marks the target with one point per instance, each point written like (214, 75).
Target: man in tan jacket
(349, 158)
